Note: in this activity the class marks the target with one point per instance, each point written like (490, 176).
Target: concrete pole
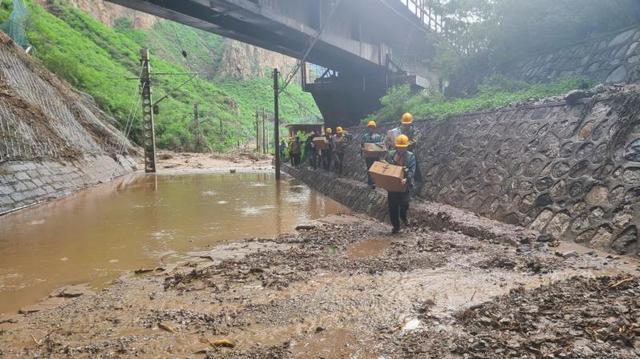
(276, 121)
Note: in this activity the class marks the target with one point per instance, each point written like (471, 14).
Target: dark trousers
(326, 159)
(369, 162)
(313, 159)
(398, 207)
(295, 159)
(338, 161)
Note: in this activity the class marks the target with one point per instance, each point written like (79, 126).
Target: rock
(143, 270)
(8, 319)
(223, 343)
(618, 75)
(167, 326)
(72, 291)
(411, 325)
(572, 97)
(305, 227)
(30, 309)
(545, 238)
(570, 254)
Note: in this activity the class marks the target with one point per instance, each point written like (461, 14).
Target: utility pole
(220, 127)
(257, 134)
(264, 133)
(148, 127)
(276, 121)
(196, 123)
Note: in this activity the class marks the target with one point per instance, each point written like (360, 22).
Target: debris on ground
(343, 287)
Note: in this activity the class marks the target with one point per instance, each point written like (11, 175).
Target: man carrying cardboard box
(399, 201)
(370, 141)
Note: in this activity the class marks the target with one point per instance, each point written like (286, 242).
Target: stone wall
(570, 171)
(614, 58)
(611, 58)
(53, 139)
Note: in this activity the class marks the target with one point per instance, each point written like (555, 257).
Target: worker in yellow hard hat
(408, 129)
(327, 152)
(339, 144)
(399, 201)
(371, 136)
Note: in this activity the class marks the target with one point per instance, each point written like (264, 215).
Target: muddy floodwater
(140, 221)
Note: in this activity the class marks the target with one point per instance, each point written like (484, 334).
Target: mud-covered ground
(345, 288)
(239, 159)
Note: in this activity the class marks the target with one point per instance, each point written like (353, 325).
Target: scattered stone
(223, 343)
(167, 326)
(72, 291)
(305, 227)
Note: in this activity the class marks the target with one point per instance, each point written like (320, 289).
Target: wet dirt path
(346, 289)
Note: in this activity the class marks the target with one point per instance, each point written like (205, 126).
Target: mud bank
(345, 288)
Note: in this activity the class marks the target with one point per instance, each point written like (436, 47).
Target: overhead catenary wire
(129, 120)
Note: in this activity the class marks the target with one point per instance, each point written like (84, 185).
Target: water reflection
(96, 234)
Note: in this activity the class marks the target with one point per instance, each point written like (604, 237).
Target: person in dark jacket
(399, 201)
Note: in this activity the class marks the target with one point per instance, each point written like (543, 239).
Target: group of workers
(329, 157)
(400, 142)
(329, 154)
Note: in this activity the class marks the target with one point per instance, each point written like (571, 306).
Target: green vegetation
(496, 91)
(98, 60)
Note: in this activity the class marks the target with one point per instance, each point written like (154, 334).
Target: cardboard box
(371, 150)
(388, 176)
(320, 143)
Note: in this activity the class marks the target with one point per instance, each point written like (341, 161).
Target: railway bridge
(359, 48)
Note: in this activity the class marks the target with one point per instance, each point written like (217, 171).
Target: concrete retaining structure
(610, 58)
(570, 171)
(613, 58)
(53, 139)
(437, 216)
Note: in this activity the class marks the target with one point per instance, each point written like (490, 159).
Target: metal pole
(276, 121)
(148, 127)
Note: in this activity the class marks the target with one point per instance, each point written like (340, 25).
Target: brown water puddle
(97, 234)
(368, 248)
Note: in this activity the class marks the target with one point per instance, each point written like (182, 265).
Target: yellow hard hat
(407, 119)
(328, 130)
(402, 141)
(372, 123)
(339, 130)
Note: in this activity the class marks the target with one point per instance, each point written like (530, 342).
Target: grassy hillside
(98, 60)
